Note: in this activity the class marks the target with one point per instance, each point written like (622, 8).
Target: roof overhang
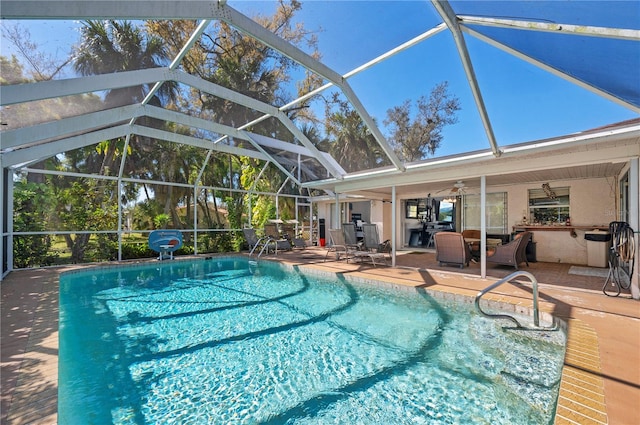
(581, 155)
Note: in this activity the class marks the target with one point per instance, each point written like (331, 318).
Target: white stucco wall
(592, 203)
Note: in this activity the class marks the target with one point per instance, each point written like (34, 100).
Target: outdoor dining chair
(451, 248)
(512, 253)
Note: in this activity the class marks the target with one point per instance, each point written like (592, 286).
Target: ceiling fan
(458, 187)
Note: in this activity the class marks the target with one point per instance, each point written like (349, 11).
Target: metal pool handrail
(534, 281)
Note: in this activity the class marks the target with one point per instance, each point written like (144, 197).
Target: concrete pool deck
(601, 376)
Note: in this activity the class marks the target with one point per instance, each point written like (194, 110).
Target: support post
(394, 227)
(634, 221)
(483, 227)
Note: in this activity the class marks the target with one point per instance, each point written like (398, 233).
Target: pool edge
(581, 399)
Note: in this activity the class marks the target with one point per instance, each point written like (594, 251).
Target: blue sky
(524, 103)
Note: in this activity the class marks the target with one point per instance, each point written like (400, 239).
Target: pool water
(228, 342)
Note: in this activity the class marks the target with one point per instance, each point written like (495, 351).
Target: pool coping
(580, 400)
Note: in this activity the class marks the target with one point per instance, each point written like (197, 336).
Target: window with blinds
(496, 212)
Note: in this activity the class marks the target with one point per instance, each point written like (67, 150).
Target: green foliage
(161, 221)
(131, 251)
(264, 208)
(134, 250)
(144, 214)
(351, 140)
(214, 242)
(102, 247)
(86, 205)
(12, 71)
(116, 46)
(32, 203)
(235, 207)
(417, 136)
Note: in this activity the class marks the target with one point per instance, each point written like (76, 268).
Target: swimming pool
(224, 341)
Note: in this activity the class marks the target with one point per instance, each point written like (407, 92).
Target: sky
(524, 103)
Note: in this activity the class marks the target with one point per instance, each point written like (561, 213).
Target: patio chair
(511, 254)
(350, 238)
(451, 248)
(337, 245)
(271, 230)
(373, 249)
(262, 243)
(289, 233)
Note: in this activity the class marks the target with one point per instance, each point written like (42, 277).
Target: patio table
(491, 242)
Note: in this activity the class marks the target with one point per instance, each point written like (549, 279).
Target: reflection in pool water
(223, 341)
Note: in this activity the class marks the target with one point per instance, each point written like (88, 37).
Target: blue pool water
(227, 342)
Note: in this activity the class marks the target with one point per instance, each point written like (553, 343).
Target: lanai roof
(594, 44)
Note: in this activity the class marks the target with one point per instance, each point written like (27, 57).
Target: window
(447, 211)
(549, 205)
(415, 207)
(496, 212)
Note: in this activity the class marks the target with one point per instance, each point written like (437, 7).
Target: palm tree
(112, 46)
(352, 141)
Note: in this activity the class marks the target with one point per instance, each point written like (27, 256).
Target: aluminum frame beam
(144, 9)
(448, 15)
(275, 162)
(550, 69)
(23, 137)
(556, 28)
(47, 150)
(58, 88)
(195, 142)
(109, 9)
(20, 93)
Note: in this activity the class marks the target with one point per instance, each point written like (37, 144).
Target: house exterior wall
(592, 203)
(381, 217)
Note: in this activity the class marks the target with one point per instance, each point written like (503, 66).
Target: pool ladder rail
(264, 242)
(536, 312)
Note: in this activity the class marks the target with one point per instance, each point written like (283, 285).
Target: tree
(351, 140)
(233, 60)
(85, 207)
(106, 46)
(32, 205)
(114, 46)
(117, 46)
(417, 139)
(41, 66)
